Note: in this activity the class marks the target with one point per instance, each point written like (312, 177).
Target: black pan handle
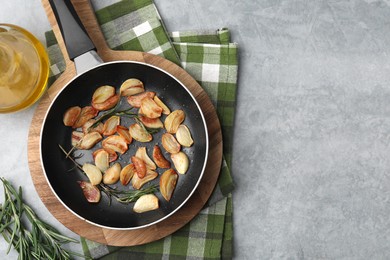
(75, 36)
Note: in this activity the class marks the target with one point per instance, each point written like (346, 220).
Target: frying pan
(78, 92)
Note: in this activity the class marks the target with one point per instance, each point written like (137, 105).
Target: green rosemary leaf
(42, 241)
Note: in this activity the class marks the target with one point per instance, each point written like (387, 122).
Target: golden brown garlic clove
(183, 136)
(127, 173)
(116, 143)
(173, 121)
(102, 159)
(143, 155)
(87, 127)
(86, 113)
(112, 156)
(109, 127)
(131, 87)
(169, 143)
(71, 115)
(138, 182)
(105, 98)
(140, 166)
(89, 140)
(146, 203)
(139, 133)
(181, 162)
(135, 100)
(165, 109)
(151, 122)
(168, 182)
(112, 174)
(93, 173)
(159, 158)
(124, 132)
(150, 108)
(76, 138)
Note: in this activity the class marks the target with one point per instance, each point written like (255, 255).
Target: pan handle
(76, 39)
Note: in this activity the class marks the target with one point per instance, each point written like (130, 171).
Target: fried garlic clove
(76, 138)
(139, 133)
(135, 100)
(143, 155)
(183, 136)
(159, 158)
(89, 140)
(127, 173)
(112, 174)
(86, 113)
(112, 156)
(140, 166)
(173, 121)
(93, 173)
(181, 162)
(71, 115)
(168, 182)
(109, 127)
(151, 122)
(91, 192)
(138, 182)
(146, 203)
(131, 87)
(102, 160)
(124, 132)
(105, 98)
(116, 143)
(169, 143)
(150, 108)
(165, 109)
(87, 127)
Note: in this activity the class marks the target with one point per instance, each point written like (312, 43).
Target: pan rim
(193, 189)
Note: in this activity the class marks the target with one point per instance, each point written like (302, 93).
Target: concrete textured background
(312, 130)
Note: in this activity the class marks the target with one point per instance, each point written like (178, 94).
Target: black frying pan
(79, 92)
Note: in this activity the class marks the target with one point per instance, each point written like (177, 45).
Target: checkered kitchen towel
(212, 60)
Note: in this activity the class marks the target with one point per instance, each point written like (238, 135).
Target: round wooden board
(81, 227)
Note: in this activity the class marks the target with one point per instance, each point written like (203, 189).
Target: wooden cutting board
(79, 226)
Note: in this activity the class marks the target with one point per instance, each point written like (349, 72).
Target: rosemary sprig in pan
(41, 240)
(123, 113)
(114, 112)
(128, 196)
(122, 196)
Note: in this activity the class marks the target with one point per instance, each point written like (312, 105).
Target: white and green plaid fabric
(212, 60)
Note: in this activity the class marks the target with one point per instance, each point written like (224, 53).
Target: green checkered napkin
(212, 60)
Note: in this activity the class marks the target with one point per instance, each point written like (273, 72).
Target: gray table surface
(312, 129)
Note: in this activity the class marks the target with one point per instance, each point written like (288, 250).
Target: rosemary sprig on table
(122, 196)
(42, 242)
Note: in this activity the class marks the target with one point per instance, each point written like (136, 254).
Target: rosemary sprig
(147, 129)
(129, 196)
(114, 112)
(123, 113)
(41, 241)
